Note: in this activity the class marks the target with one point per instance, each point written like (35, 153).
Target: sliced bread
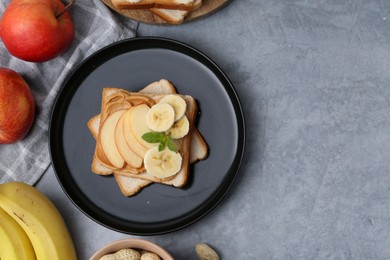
(187, 5)
(174, 16)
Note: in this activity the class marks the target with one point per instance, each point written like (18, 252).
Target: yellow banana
(162, 164)
(40, 219)
(14, 244)
(179, 129)
(160, 117)
(178, 103)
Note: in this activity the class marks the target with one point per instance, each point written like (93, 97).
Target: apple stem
(66, 8)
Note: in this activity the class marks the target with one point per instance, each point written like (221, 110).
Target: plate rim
(214, 200)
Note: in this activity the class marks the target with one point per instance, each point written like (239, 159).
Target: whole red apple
(36, 30)
(17, 107)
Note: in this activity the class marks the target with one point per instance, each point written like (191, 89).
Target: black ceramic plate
(132, 64)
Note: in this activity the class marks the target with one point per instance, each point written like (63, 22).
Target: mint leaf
(171, 145)
(161, 147)
(162, 138)
(154, 137)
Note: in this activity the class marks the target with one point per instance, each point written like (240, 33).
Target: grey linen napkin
(96, 26)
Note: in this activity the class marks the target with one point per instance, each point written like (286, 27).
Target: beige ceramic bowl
(132, 243)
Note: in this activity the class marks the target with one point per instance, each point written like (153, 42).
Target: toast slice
(174, 16)
(112, 100)
(128, 185)
(187, 5)
(180, 179)
(170, 16)
(199, 148)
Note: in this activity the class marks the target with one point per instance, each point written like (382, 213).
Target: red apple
(36, 30)
(17, 107)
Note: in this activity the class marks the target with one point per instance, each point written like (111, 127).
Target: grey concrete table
(314, 81)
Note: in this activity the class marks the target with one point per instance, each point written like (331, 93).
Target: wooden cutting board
(144, 16)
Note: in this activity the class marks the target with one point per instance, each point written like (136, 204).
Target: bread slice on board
(174, 16)
(130, 186)
(187, 5)
(170, 16)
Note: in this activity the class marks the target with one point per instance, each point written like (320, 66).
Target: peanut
(123, 254)
(149, 256)
(205, 252)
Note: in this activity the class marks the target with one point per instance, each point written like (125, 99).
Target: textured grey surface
(314, 81)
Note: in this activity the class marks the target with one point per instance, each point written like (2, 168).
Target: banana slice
(162, 164)
(179, 129)
(178, 104)
(160, 117)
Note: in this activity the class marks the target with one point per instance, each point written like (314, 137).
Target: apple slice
(131, 141)
(102, 156)
(107, 139)
(130, 157)
(137, 120)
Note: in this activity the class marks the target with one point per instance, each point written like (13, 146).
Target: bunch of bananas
(31, 227)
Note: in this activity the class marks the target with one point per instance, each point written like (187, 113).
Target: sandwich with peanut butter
(146, 137)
